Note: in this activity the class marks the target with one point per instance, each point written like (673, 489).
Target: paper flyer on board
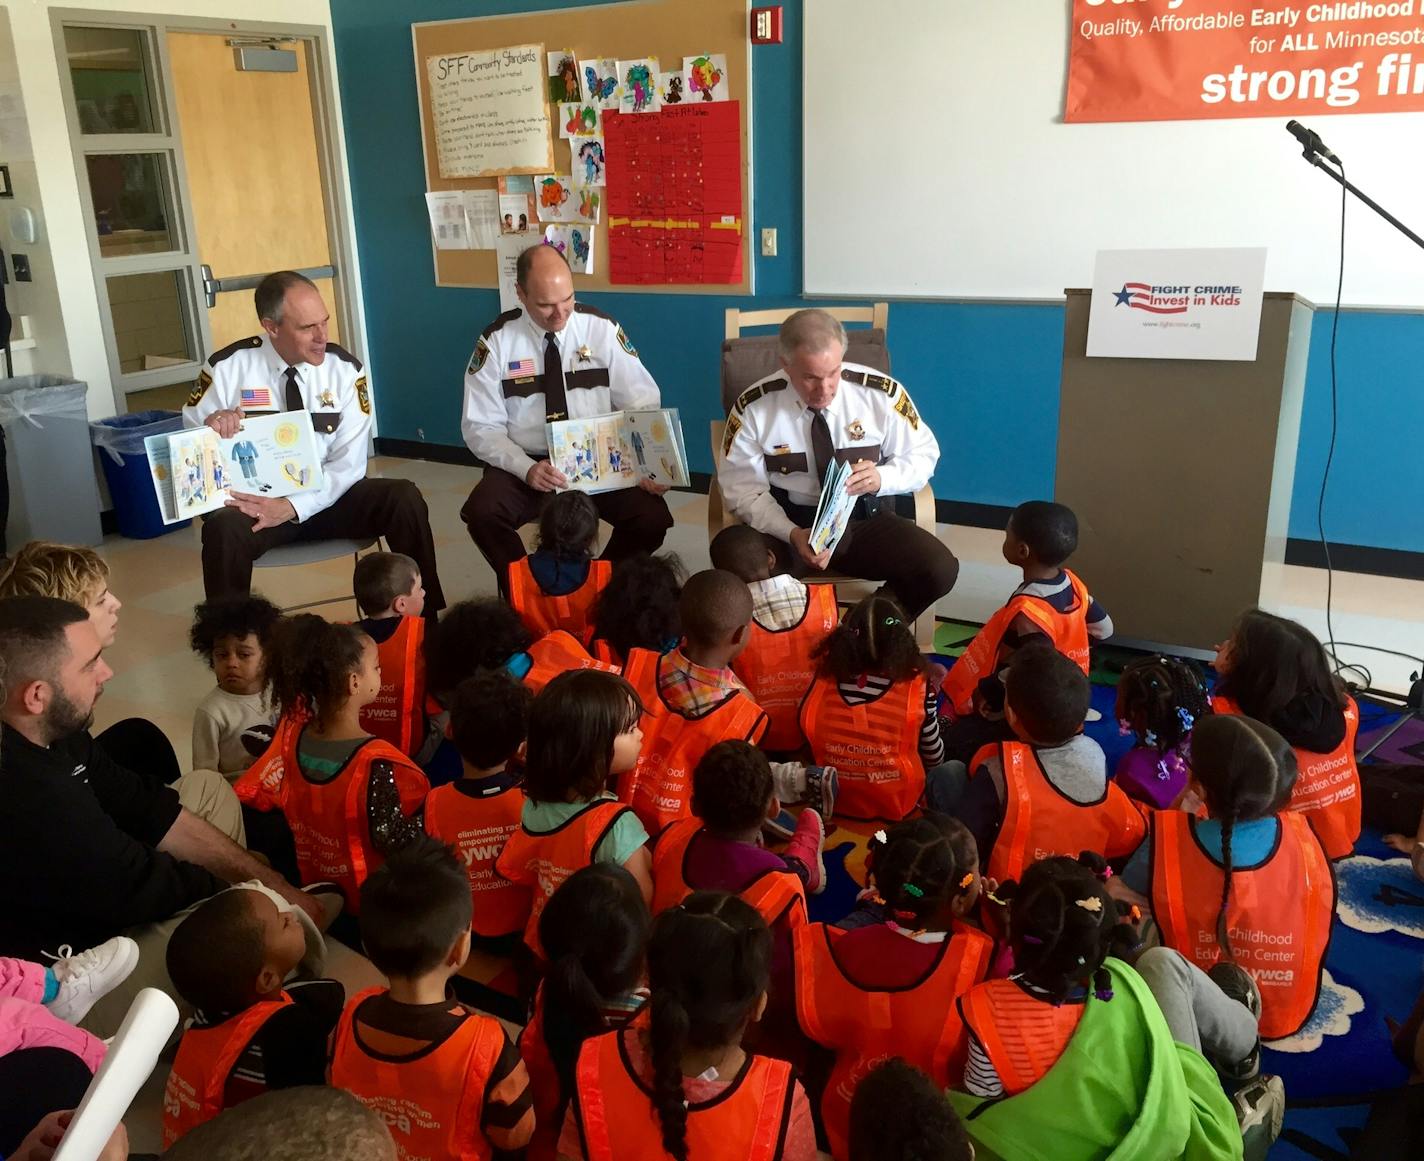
(603, 453)
(833, 509)
(195, 471)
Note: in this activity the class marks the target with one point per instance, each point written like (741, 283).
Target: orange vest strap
(1022, 1036)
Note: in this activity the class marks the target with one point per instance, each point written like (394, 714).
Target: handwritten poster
(490, 112)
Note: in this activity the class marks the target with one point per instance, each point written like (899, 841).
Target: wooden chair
(760, 353)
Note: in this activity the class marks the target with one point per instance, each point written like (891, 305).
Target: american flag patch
(255, 397)
(522, 367)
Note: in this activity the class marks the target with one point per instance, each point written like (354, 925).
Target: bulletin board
(667, 29)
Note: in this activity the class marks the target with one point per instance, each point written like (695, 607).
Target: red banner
(1176, 60)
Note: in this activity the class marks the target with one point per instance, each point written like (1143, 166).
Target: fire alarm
(766, 25)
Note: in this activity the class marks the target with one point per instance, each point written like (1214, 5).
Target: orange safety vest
(572, 612)
(204, 1061)
(1278, 915)
(616, 1120)
(875, 746)
(544, 1088)
(478, 828)
(543, 860)
(328, 819)
(775, 894)
(556, 653)
(398, 713)
(1327, 789)
(776, 666)
(603, 651)
(1040, 820)
(866, 1026)
(1022, 1036)
(1068, 632)
(659, 787)
(431, 1102)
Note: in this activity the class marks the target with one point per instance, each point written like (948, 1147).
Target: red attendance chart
(674, 198)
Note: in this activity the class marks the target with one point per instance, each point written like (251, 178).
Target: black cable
(1377, 649)
(1334, 428)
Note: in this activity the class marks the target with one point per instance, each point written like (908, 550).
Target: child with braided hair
(890, 988)
(557, 585)
(676, 1081)
(1159, 699)
(1071, 1056)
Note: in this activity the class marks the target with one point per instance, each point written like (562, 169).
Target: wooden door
(254, 178)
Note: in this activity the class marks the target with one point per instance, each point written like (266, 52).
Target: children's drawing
(670, 88)
(638, 80)
(564, 76)
(579, 119)
(589, 201)
(706, 76)
(589, 168)
(600, 82)
(553, 193)
(575, 243)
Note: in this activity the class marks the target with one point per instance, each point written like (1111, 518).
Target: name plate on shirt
(605, 453)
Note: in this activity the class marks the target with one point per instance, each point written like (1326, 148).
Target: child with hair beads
(676, 1082)
(899, 1114)
(789, 621)
(489, 720)
(556, 586)
(233, 724)
(1159, 699)
(639, 607)
(447, 1081)
(391, 599)
(1070, 1057)
(1246, 867)
(252, 1030)
(1274, 670)
(890, 988)
(583, 732)
(1051, 604)
(595, 932)
(351, 800)
(871, 714)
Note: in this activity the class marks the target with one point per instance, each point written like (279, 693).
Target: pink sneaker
(806, 845)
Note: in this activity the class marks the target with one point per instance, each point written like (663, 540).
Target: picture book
(602, 453)
(834, 509)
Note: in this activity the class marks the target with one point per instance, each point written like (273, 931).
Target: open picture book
(602, 453)
(833, 509)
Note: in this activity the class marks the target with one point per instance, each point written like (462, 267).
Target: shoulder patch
(477, 360)
(344, 355)
(584, 308)
(501, 321)
(870, 379)
(626, 343)
(906, 409)
(363, 395)
(729, 432)
(757, 390)
(232, 348)
(200, 388)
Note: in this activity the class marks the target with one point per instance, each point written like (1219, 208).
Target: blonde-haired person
(69, 572)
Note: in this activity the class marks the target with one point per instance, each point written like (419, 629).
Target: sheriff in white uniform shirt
(550, 359)
(292, 366)
(784, 431)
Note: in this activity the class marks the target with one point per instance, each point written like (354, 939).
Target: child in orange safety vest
(639, 607)
(675, 1081)
(447, 1081)
(1248, 883)
(595, 931)
(391, 599)
(1276, 671)
(889, 988)
(476, 814)
(583, 732)
(1051, 604)
(556, 586)
(789, 621)
(349, 799)
(229, 959)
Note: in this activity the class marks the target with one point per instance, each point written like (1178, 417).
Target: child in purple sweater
(1159, 699)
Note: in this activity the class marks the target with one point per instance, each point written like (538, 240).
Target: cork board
(666, 29)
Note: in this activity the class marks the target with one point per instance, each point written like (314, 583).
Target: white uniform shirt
(335, 393)
(505, 410)
(768, 443)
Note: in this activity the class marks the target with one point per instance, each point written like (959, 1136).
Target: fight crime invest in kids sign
(1169, 60)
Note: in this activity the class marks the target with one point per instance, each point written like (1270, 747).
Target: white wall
(74, 342)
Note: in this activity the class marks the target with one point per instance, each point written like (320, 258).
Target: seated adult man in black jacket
(89, 849)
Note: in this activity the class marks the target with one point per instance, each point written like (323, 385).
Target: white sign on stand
(1176, 304)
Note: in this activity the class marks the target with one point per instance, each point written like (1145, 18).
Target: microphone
(1311, 141)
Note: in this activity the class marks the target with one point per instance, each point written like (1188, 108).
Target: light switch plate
(768, 242)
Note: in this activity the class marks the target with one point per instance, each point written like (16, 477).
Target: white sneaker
(85, 978)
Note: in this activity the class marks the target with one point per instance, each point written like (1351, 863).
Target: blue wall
(985, 376)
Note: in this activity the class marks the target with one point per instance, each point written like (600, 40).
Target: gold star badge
(584, 354)
(327, 399)
(855, 429)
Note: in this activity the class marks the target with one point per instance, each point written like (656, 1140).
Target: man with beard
(89, 849)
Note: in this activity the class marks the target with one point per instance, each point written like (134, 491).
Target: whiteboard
(937, 166)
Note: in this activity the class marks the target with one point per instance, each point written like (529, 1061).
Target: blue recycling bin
(120, 443)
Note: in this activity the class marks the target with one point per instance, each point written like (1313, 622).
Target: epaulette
(584, 308)
(870, 379)
(507, 317)
(757, 390)
(232, 348)
(343, 354)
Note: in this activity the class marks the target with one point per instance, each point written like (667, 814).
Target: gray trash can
(50, 464)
